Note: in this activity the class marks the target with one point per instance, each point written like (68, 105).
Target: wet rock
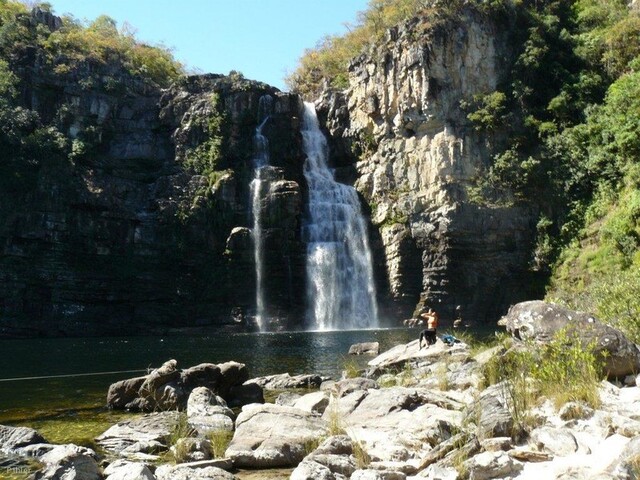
(367, 348)
(16, 437)
(272, 436)
(540, 322)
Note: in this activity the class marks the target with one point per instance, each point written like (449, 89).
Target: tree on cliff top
(66, 49)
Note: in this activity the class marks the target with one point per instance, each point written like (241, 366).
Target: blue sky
(263, 39)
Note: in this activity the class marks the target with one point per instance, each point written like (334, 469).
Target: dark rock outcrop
(168, 388)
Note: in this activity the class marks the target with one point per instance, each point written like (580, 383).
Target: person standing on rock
(429, 334)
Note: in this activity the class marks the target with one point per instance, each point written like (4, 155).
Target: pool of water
(324, 353)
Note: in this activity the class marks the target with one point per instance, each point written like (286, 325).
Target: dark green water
(324, 353)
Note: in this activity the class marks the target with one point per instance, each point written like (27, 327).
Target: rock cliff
(401, 135)
(128, 232)
(121, 235)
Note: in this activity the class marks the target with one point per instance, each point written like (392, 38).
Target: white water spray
(260, 160)
(340, 287)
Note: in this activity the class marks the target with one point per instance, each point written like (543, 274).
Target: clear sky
(263, 39)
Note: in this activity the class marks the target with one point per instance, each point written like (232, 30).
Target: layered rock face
(412, 152)
(122, 236)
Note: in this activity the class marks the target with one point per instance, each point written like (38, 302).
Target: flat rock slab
(189, 472)
(388, 421)
(16, 437)
(284, 380)
(269, 436)
(399, 355)
(155, 427)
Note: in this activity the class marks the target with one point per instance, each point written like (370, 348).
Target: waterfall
(340, 287)
(260, 160)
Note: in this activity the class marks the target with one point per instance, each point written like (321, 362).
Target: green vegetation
(533, 373)
(219, 440)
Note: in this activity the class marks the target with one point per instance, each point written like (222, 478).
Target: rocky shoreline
(414, 413)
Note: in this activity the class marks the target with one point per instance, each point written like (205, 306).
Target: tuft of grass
(219, 440)
(363, 460)
(181, 429)
(406, 377)
(350, 368)
(335, 421)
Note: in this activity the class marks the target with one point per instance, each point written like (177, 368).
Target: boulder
(122, 393)
(487, 465)
(270, 435)
(349, 385)
(315, 402)
(311, 470)
(203, 402)
(387, 421)
(241, 395)
(231, 375)
(16, 437)
(370, 474)
(491, 412)
(123, 470)
(557, 441)
(287, 399)
(366, 348)
(191, 472)
(208, 412)
(168, 372)
(69, 462)
(540, 321)
(203, 375)
(283, 381)
(167, 388)
(156, 427)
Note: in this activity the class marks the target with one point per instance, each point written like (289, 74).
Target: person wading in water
(429, 334)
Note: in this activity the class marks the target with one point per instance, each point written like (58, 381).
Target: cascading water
(341, 290)
(260, 160)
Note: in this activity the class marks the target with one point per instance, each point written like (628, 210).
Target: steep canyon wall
(400, 131)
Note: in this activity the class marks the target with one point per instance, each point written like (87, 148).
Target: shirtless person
(429, 334)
